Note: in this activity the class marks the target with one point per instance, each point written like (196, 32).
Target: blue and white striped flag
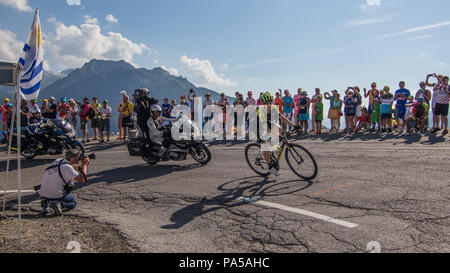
(32, 61)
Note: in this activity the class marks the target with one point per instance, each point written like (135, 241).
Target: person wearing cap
(44, 107)
(387, 101)
(350, 103)
(127, 110)
(63, 108)
(303, 106)
(51, 109)
(372, 93)
(62, 172)
(251, 106)
(333, 112)
(401, 97)
(318, 110)
(105, 113)
(84, 119)
(35, 112)
(441, 99)
(223, 102)
(415, 113)
(24, 113)
(95, 122)
(423, 92)
(207, 102)
(73, 115)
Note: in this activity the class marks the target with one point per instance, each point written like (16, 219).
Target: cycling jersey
(266, 116)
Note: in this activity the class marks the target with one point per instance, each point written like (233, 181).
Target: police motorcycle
(176, 150)
(48, 137)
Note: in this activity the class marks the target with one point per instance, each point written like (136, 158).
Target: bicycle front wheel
(301, 162)
(255, 159)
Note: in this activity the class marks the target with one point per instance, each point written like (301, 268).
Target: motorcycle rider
(154, 124)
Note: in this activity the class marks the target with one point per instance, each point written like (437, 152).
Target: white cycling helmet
(156, 108)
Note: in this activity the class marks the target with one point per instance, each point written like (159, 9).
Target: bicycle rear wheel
(255, 159)
(301, 162)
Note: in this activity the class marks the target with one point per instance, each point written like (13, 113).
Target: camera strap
(59, 170)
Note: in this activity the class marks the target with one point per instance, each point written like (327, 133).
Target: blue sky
(232, 45)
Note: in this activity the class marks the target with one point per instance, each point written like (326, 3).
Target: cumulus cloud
(172, 71)
(72, 46)
(90, 20)
(10, 47)
(110, 18)
(73, 2)
(21, 5)
(202, 72)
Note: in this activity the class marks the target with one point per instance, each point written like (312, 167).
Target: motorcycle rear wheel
(147, 155)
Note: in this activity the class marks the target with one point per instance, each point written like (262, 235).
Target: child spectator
(63, 109)
(387, 101)
(318, 117)
(303, 106)
(364, 120)
(375, 117)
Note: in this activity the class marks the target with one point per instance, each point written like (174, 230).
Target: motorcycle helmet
(156, 108)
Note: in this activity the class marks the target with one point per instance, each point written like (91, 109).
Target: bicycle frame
(283, 147)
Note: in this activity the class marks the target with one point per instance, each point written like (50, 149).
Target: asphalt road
(392, 193)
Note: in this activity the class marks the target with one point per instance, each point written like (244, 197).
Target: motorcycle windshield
(65, 126)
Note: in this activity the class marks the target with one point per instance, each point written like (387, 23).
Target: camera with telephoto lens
(143, 95)
(90, 156)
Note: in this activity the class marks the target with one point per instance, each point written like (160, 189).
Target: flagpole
(10, 138)
(19, 135)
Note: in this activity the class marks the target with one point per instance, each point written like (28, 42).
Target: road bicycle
(299, 159)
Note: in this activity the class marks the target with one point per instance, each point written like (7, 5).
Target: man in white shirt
(58, 181)
(105, 113)
(208, 120)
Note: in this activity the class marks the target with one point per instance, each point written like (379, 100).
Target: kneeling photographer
(58, 182)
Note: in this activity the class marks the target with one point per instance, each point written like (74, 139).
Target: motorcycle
(175, 150)
(50, 137)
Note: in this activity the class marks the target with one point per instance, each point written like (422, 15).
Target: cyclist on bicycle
(264, 114)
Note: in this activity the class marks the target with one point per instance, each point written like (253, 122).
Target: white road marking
(114, 152)
(16, 191)
(300, 211)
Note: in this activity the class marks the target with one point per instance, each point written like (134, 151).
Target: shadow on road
(25, 164)
(136, 173)
(255, 188)
(123, 175)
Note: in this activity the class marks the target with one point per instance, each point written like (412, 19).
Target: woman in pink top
(296, 110)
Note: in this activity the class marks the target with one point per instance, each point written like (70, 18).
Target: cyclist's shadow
(236, 193)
